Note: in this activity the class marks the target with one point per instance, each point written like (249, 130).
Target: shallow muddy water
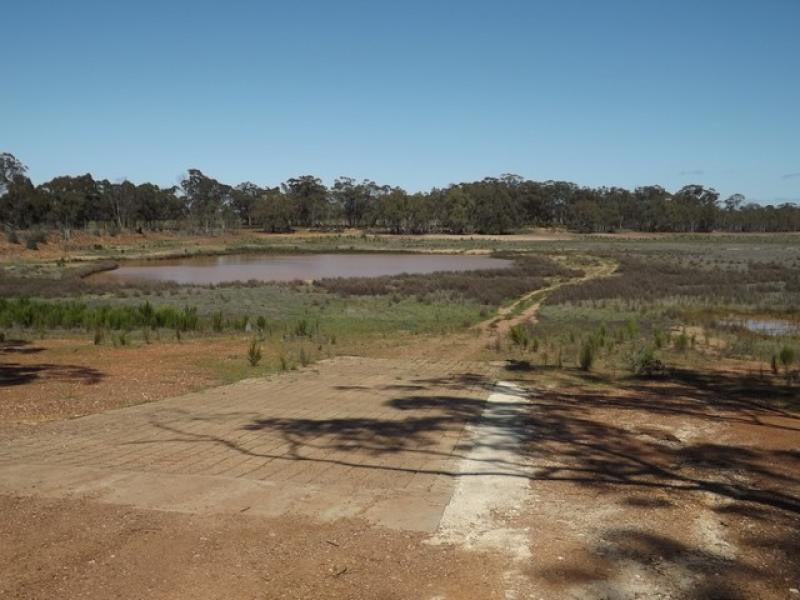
(765, 326)
(244, 267)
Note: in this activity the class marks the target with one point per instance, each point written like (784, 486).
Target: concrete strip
(492, 484)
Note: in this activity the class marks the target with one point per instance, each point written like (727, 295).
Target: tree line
(493, 205)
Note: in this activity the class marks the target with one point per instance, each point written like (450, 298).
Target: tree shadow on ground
(633, 562)
(603, 442)
(15, 374)
(19, 347)
(558, 437)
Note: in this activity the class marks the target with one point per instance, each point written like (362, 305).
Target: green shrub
(11, 236)
(681, 342)
(659, 338)
(217, 321)
(586, 355)
(643, 363)
(519, 335)
(72, 315)
(787, 357)
(632, 328)
(302, 329)
(254, 353)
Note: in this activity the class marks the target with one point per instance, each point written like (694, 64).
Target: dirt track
(411, 478)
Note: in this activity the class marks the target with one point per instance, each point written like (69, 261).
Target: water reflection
(221, 269)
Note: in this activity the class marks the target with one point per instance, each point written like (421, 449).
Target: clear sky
(410, 93)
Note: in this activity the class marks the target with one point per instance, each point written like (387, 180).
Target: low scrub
(254, 353)
(643, 363)
(639, 279)
(490, 286)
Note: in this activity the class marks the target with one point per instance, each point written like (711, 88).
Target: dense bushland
(492, 205)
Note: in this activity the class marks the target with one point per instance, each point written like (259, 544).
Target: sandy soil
(81, 549)
(48, 379)
(680, 489)
(686, 487)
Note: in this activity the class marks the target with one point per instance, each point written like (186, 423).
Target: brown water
(221, 269)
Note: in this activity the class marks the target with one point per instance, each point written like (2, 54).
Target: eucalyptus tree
(19, 204)
(309, 197)
(72, 201)
(273, 211)
(207, 200)
(244, 198)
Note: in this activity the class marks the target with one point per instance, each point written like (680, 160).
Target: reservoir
(277, 267)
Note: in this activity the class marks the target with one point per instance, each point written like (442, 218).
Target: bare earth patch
(51, 379)
(82, 549)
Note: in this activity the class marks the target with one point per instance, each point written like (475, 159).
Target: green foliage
(302, 329)
(254, 353)
(586, 355)
(217, 321)
(787, 357)
(681, 342)
(28, 313)
(643, 362)
(490, 205)
(659, 338)
(519, 335)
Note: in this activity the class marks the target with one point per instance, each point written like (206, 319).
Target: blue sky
(416, 94)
